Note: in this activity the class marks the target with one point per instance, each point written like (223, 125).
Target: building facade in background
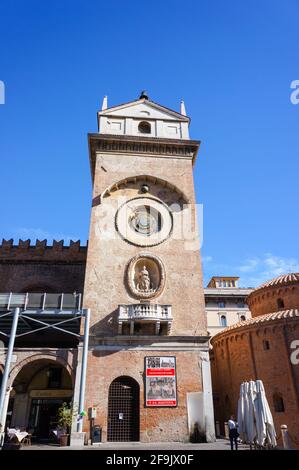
(225, 303)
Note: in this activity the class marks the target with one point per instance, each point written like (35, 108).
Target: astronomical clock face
(144, 221)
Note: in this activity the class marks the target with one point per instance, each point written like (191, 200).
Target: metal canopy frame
(49, 320)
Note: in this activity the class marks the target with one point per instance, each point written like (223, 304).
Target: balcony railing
(141, 313)
(40, 302)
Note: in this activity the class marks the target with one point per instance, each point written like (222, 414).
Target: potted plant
(64, 420)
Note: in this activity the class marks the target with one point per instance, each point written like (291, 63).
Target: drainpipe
(83, 370)
(7, 369)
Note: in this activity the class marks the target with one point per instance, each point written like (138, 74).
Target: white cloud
(266, 267)
(255, 270)
(249, 265)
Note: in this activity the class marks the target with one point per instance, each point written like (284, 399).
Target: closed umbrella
(265, 429)
(241, 415)
(251, 427)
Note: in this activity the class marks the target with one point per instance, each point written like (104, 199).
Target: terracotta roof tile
(282, 280)
(292, 313)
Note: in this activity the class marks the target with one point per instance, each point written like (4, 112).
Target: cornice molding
(134, 145)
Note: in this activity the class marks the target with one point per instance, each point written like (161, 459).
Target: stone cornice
(135, 145)
(149, 340)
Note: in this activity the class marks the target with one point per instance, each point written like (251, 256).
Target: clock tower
(148, 374)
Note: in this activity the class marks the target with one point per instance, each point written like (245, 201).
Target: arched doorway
(38, 390)
(123, 410)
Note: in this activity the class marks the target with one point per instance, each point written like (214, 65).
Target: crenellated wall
(41, 267)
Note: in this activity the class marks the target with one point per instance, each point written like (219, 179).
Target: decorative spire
(105, 103)
(143, 95)
(183, 109)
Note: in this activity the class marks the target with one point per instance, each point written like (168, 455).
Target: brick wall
(42, 268)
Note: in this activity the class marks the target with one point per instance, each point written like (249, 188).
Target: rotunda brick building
(265, 347)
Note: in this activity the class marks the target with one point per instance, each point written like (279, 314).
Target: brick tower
(148, 375)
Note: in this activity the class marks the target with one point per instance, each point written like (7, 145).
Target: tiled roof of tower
(282, 314)
(282, 280)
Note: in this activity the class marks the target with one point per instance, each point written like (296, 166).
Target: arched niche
(132, 186)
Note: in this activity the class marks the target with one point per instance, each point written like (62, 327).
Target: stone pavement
(220, 444)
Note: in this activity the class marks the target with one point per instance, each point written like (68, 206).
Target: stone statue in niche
(144, 284)
(145, 276)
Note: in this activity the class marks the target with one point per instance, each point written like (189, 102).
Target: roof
(282, 280)
(225, 277)
(268, 317)
(111, 110)
(227, 291)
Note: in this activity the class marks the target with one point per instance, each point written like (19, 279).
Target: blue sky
(231, 61)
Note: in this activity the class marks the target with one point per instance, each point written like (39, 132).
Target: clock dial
(145, 220)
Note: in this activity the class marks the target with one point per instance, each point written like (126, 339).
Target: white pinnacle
(105, 103)
(183, 109)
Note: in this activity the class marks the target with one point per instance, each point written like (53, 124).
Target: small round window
(144, 127)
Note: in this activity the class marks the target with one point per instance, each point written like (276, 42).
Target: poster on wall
(160, 381)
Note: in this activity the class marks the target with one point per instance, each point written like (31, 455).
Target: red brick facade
(261, 348)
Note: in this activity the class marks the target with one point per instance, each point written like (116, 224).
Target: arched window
(242, 318)
(223, 321)
(144, 127)
(278, 403)
(280, 303)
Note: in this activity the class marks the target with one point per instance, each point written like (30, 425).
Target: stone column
(5, 406)
(207, 396)
(19, 417)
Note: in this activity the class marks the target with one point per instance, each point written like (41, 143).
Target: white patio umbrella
(263, 418)
(241, 413)
(250, 422)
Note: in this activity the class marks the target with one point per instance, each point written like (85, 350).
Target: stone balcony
(144, 313)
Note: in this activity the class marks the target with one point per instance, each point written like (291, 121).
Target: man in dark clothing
(233, 432)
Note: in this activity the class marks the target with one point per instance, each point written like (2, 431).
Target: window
(173, 130)
(280, 303)
(240, 304)
(54, 377)
(278, 403)
(144, 127)
(266, 345)
(242, 318)
(223, 321)
(221, 304)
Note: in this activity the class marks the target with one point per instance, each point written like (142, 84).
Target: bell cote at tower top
(143, 118)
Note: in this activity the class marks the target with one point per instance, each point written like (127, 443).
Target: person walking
(233, 432)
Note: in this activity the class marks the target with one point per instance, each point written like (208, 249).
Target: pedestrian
(233, 432)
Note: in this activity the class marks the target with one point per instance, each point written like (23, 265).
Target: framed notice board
(160, 381)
